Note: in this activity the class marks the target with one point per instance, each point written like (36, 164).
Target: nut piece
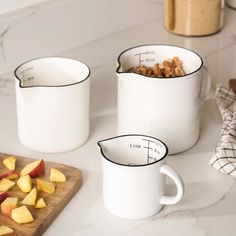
(178, 62)
(157, 71)
(142, 70)
(179, 71)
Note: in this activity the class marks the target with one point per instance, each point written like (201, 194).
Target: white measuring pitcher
(166, 108)
(52, 100)
(134, 169)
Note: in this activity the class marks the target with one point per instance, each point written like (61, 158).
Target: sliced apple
(45, 186)
(9, 162)
(21, 215)
(40, 203)
(57, 176)
(3, 196)
(8, 205)
(34, 169)
(6, 184)
(30, 198)
(24, 183)
(4, 230)
(13, 176)
(9, 174)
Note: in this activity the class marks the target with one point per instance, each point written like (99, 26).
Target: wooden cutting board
(55, 202)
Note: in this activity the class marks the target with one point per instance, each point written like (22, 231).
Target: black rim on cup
(136, 135)
(41, 58)
(157, 45)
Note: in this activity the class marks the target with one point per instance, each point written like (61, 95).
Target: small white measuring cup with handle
(134, 169)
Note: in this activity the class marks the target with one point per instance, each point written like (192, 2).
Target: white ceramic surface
(167, 109)
(52, 98)
(133, 180)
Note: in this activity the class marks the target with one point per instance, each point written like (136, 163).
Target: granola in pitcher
(167, 69)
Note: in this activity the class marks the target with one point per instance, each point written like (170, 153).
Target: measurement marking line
(148, 148)
(148, 140)
(141, 53)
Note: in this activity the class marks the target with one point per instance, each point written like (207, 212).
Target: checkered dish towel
(224, 158)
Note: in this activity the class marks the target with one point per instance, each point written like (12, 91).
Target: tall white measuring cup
(165, 108)
(52, 99)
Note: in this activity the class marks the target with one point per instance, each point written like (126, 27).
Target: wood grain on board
(55, 201)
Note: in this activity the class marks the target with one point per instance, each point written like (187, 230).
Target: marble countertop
(9, 6)
(208, 207)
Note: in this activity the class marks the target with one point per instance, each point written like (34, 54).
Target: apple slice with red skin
(3, 196)
(34, 169)
(9, 174)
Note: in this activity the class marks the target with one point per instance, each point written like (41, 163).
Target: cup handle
(170, 200)
(205, 86)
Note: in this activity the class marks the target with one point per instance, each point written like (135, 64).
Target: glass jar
(194, 17)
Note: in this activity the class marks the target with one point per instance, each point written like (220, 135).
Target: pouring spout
(101, 147)
(99, 144)
(105, 144)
